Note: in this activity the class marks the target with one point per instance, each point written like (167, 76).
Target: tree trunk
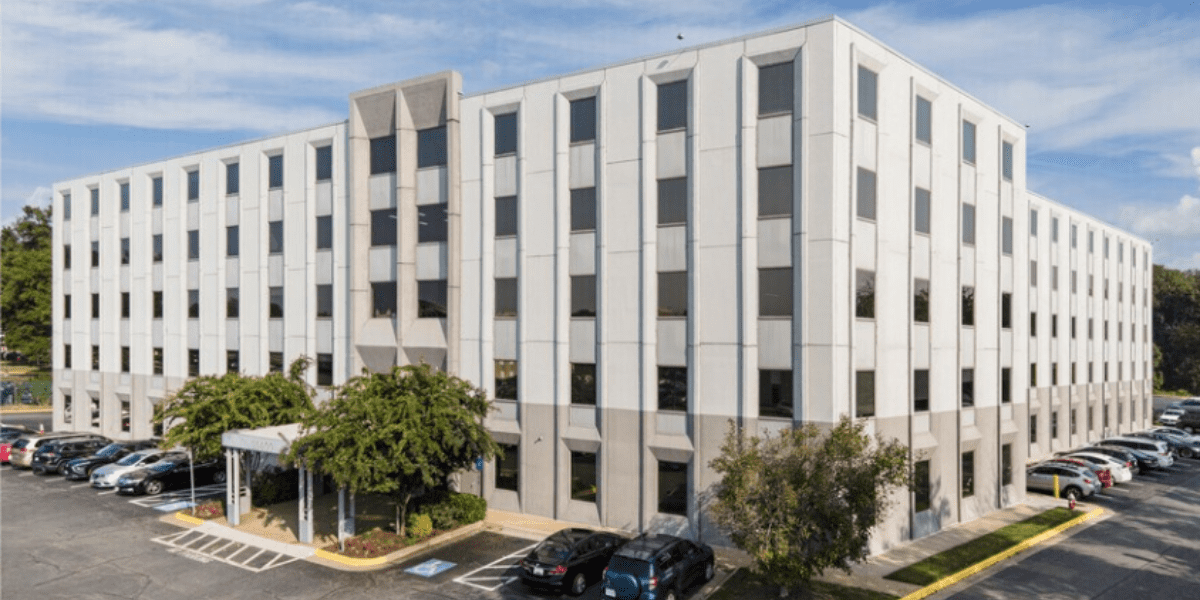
(402, 514)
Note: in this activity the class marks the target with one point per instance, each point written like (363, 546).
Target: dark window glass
(672, 388)
(233, 363)
(95, 306)
(431, 299)
(583, 476)
(124, 305)
(275, 362)
(95, 358)
(776, 89)
(672, 105)
(1006, 160)
(124, 197)
(1033, 227)
(275, 237)
(921, 486)
(1006, 464)
(66, 207)
(921, 390)
(583, 295)
(1006, 310)
(193, 244)
(431, 147)
(232, 303)
(231, 240)
(383, 227)
(921, 210)
(968, 388)
(431, 222)
(157, 359)
(921, 300)
(157, 247)
(324, 301)
(324, 232)
(968, 224)
(775, 292)
(507, 217)
(968, 305)
(866, 194)
(583, 384)
(1053, 325)
(66, 306)
(672, 201)
(124, 250)
(325, 369)
(383, 155)
(968, 474)
(968, 142)
(672, 487)
(583, 209)
(508, 467)
(157, 185)
(864, 404)
(95, 254)
(775, 191)
(1005, 385)
(868, 91)
(157, 302)
(1033, 273)
(1006, 235)
(66, 356)
(506, 379)
(275, 171)
(324, 163)
(66, 256)
(193, 304)
(193, 185)
(124, 359)
(775, 393)
(232, 178)
(583, 119)
(864, 294)
(673, 294)
(193, 362)
(924, 129)
(506, 297)
(95, 193)
(1033, 324)
(506, 134)
(276, 302)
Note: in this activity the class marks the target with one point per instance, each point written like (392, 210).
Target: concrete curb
(188, 519)
(21, 410)
(950, 580)
(348, 563)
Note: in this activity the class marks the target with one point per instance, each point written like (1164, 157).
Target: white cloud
(1174, 229)
(40, 197)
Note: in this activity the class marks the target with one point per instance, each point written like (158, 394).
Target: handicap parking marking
(178, 497)
(502, 564)
(430, 567)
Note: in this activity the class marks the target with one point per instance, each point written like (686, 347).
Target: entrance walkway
(210, 541)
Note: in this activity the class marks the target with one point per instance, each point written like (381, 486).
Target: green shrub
(273, 488)
(468, 508)
(443, 515)
(419, 526)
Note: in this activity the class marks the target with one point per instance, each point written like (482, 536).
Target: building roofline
(1088, 216)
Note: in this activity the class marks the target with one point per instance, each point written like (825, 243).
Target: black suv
(53, 454)
(657, 567)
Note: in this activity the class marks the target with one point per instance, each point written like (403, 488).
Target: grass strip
(964, 555)
(744, 585)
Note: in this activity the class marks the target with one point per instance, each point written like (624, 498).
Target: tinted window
(383, 155)
(232, 178)
(506, 134)
(506, 215)
(924, 128)
(672, 201)
(868, 84)
(324, 163)
(968, 141)
(431, 147)
(324, 232)
(324, 301)
(583, 119)
(583, 209)
(506, 297)
(672, 105)
(774, 393)
(383, 227)
(775, 292)
(866, 194)
(672, 388)
(921, 210)
(431, 299)
(673, 294)
(583, 295)
(775, 191)
(275, 237)
(275, 171)
(431, 223)
(775, 89)
(193, 185)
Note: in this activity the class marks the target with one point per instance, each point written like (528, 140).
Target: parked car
(83, 467)
(1120, 471)
(1189, 421)
(1182, 447)
(569, 560)
(1123, 454)
(1184, 403)
(169, 474)
(657, 567)
(1156, 447)
(108, 475)
(1170, 417)
(8, 435)
(49, 458)
(1074, 482)
(24, 447)
(1175, 431)
(1103, 473)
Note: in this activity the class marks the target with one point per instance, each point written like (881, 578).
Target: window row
(324, 362)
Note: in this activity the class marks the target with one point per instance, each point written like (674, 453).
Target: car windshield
(110, 450)
(9, 436)
(162, 466)
(132, 459)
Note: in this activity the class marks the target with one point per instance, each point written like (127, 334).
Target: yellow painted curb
(188, 519)
(349, 561)
(946, 582)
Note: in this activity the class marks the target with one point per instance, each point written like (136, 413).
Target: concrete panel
(774, 141)
(966, 347)
(619, 369)
(583, 166)
(583, 340)
(827, 214)
(382, 264)
(275, 336)
(620, 99)
(275, 270)
(775, 344)
(620, 203)
(966, 191)
(672, 248)
(193, 334)
(431, 261)
(774, 243)
(232, 274)
(864, 245)
(275, 205)
(671, 423)
(716, 196)
(920, 347)
(921, 161)
(864, 344)
(193, 216)
(672, 342)
(866, 142)
(506, 257)
(324, 267)
(431, 186)
(232, 335)
(506, 176)
(324, 198)
(231, 210)
(156, 333)
(715, 298)
(193, 275)
(620, 294)
(583, 253)
(672, 155)
(505, 344)
(538, 310)
(538, 213)
(381, 191)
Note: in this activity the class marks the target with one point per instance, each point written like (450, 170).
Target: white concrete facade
(622, 285)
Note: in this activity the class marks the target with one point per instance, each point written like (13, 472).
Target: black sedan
(81, 468)
(569, 560)
(170, 474)
(52, 456)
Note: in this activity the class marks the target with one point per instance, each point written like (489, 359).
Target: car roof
(645, 547)
(571, 535)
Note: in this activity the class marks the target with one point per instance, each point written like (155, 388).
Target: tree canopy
(208, 406)
(25, 260)
(397, 433)
(806, 500)
(1177, 330)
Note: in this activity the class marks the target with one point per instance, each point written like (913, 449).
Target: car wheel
(1186, 453)
(62, 469)
(1072, 494)
(708, 572)
(154, 488)
(578, 584)
(219, 477)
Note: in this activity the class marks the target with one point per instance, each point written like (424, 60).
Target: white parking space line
(474, 576)
(209, 541)
(28, 474)
(106, 493)
(185, 495)
(79, 485)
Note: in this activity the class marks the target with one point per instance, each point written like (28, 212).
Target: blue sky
(1111, 92)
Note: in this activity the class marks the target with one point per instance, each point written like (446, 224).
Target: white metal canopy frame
(275, 440)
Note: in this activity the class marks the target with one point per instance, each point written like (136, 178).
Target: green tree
(397, 433)
(806, 500)
(1177, 329)
(208, 406)
(25, 288)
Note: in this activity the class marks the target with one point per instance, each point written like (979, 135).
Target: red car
(7, 436)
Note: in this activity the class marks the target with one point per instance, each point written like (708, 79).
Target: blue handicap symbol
(429, 568)
(173, 506)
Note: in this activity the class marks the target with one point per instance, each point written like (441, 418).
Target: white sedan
(1120, 472)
